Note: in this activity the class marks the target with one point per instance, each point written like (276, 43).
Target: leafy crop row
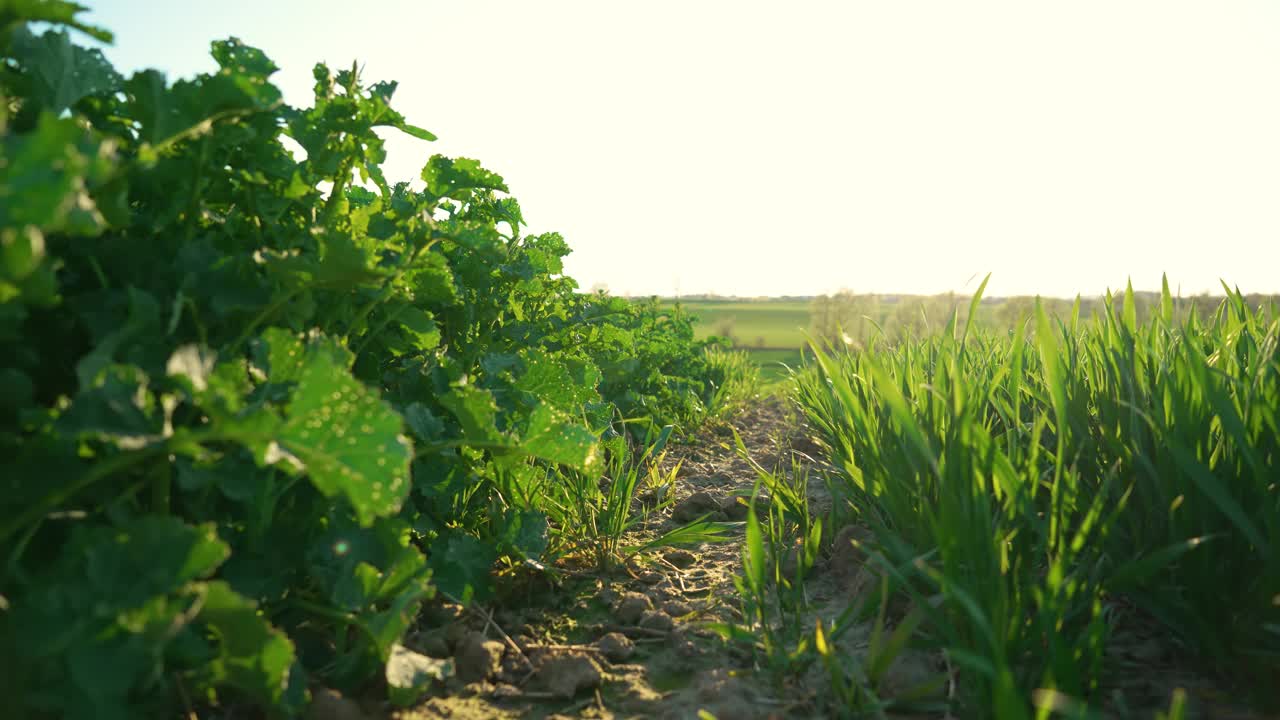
(248, 425)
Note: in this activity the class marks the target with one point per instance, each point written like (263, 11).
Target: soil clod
(329, 704)
(631, 607)
(615, 647)
(654, 620)
(680, 558)
(567, 674)
(477, 658)
(677, 608)
(695, 506)
(650, 577)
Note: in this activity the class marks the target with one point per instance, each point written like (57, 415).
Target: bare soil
(633, 643)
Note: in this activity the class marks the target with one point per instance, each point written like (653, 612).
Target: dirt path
(633, 643)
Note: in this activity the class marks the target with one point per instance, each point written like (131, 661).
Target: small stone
(680, 558)
(735, 508)
(654, 620)
(329, 704)
(848, 552)
(631, 607)
(565, 675)
(677, 608)
(695, 506)
(476, 658)
(650, 577)
(615, 646)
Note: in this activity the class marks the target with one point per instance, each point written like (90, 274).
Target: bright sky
(789, 147)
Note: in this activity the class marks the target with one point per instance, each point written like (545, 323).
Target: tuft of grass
(592, 514)
(1018, 482)
(736, 378)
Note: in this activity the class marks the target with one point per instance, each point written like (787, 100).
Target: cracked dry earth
(631, 643)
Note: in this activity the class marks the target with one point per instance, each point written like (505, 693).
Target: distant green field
(772, 332)
(753, 324)
(774, 363)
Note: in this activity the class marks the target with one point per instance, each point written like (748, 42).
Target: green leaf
(461, 566)
(415, 131)
(551, 437)
(343, 262)
(1134, 573)
(46, 176)
(118, 409)
(1166, 300)
(477, 412)
(424, 423)
(1218, 492)
(62, 73)
(57, 12)
(1130, 309)
(157, 113)
(753, 558)
(526, 531)
(349, 441)
(249, 68)
(142, 324)
(448, 177)
(421, 326)
(106, 571)
(281, 354)
(16, 389)
(252, 656)
(565, 387)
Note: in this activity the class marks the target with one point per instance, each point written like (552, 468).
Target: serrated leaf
(115, 410)
(423, 422)
(349, 441)
(551, 437)
(447, 177)
(62, 72)
(106, 570)
(143, 322)
(249, 68)
(556, 383)
(461, 567)
(45, 177)
(342, 263)
(58, 12)
(526, 531)
(477, 412)
(388, 626)
(421, 326)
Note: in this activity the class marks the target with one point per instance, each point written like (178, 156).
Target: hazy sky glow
(756, 148)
